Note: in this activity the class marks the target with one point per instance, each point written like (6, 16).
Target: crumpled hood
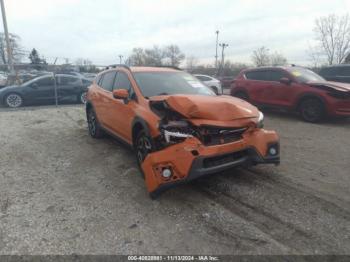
(221, 108)
(343, 87)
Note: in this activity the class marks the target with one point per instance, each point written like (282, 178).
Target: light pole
(120, 59)
(216, 53)
(9, 51)
(223, 46)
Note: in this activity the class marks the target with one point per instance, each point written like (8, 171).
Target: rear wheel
(13, 100)
(95, 129)
(82, 98)
(242, 95)
(312, 110)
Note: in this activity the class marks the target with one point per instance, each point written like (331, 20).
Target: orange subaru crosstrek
(179, 128)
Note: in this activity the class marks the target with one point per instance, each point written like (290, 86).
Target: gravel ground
(62, 192)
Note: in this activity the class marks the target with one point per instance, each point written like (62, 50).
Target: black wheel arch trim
(140, 121)
(310, 96)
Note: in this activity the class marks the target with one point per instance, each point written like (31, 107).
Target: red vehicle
(295, 89)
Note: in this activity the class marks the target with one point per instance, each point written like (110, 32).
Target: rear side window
(66, 80)
(343, 71)
(328, 71)
(276, 75)
(108, 80)
(98, 79)
(257, 75)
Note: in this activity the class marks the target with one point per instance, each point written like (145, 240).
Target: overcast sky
(101, 30)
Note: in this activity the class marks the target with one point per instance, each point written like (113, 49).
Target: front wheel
(312, 110)
(143, 146)
(13, 100)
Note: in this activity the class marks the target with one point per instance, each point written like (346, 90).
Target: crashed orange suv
(179, 129)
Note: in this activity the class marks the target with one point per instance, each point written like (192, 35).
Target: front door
(121, 112)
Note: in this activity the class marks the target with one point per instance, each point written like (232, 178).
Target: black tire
(312, 110)
(81, 98)
(215, 90)
(94, 126)
(143, 146)
(242, 95)
(13, 100)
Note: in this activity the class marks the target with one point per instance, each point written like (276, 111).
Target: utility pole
(223, 46)
(216, 53)
(8, 47)
(120, 59)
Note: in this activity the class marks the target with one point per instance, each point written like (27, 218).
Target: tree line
(331, 45)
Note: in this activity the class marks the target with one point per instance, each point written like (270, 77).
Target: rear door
(69, 87)
(256, 85)
(104, 97)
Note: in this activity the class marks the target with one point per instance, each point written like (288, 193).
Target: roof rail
(168, 66)
(118, 65)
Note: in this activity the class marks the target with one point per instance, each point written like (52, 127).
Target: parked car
(295, 89)
(42, 90)
(337, 73)
(226, 81)
(90, 76)
(179, 128)
(211, 82)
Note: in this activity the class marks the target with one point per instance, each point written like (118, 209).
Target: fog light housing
(273, 150)
(166, 173)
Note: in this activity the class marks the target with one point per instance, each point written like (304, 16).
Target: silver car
(211, 82)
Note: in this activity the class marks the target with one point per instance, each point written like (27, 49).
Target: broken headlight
(176, 131)
(260, 123)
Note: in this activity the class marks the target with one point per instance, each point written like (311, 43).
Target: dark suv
(337, 73)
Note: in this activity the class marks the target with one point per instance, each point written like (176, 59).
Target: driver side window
(122, 82)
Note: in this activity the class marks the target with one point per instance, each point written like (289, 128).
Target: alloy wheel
(14, 100)
(144, 147)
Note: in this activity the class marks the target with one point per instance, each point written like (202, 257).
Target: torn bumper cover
(190, 159)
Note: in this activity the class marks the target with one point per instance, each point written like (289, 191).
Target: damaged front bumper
(190, 159)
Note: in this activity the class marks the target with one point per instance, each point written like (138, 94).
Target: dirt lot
(63, 192)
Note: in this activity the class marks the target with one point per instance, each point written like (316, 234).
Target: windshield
(170, 83)
(305, 75)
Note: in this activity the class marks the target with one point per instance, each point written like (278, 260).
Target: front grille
(219, 135)
(223, 159)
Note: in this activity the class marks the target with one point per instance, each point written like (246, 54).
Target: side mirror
(120, 94)
(34, 85)
(285, 80)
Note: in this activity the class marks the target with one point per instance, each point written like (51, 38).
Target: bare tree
(137, 57)
(154, 56)
(17, 51)
(174, 54)
(277, 59)
(333, 34)
(261, 56)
